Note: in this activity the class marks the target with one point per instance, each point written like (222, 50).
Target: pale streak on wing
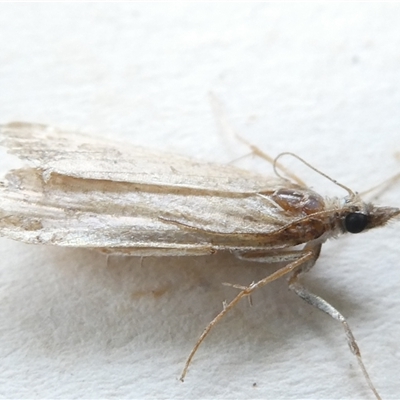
(175, 206)
(81, 156)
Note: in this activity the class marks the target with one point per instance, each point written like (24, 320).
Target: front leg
(323, 305)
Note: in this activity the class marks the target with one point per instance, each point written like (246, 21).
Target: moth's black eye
(355, 222)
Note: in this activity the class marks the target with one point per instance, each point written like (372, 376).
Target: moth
(78, 191)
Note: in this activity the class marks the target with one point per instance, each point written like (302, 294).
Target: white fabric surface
(321, 80)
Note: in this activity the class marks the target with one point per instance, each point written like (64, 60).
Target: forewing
(81, 156)
(77, 196)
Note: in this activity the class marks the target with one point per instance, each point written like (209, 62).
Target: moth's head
(368, 216)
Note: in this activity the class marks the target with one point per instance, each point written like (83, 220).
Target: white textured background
(321, 80)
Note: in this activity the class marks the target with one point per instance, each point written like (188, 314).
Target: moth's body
(82, 192)
(124, 199)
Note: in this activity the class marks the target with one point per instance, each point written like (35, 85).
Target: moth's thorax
(307, 212)
(298, 202)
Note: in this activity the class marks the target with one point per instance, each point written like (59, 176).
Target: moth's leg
(256, 151)
(307, 259)
(226, 127)
(323, 305)
(381, 188)
(268, 257)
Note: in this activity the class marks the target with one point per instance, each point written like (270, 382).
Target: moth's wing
(77, 196)
(77, 155)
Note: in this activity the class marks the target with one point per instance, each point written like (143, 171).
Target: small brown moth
(78, 191)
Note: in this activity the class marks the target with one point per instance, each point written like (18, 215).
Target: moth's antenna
(276, 165)
(381, 187)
